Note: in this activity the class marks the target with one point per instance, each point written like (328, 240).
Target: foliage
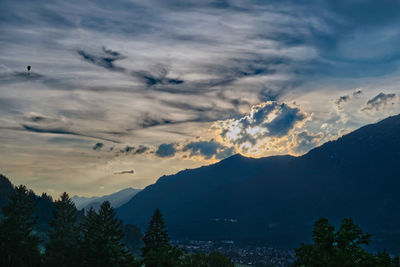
(343, 248)
(6, 189)
(19, 246)
(157, 251)
(156, 236)
(101, 239)
(62, 249)
(165, 256)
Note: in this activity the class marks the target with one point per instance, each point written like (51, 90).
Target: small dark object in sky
(29, 68)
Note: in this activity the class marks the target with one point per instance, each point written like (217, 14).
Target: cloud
(341, 100)
(208, 149)
(61, 131)
(158, 77)
(141, 149)
(33, 117)
(125, 172)
(163, 71)
(378, 102)
(20, 76)
(106, 61)
(357, 92)
(166, 150)
(98, 146)
(111, 52)
(146, 121)
(133, 150)
(303, 141)
(270, 119)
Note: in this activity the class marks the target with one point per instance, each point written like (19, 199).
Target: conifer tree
(157, 252)
(90, 234)
(156, 236)
(18, 244)
(101, 241)
(62, 250)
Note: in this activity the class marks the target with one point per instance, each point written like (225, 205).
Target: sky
(122, 92)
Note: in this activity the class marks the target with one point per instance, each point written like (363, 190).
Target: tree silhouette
(156, 236)
(343, 248)
(18, 245)
(62, 249)
(157, 251)
(101, 242)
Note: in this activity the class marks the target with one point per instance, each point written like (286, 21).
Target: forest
(76, 238)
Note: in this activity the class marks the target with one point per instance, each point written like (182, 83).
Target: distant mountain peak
(116, 199)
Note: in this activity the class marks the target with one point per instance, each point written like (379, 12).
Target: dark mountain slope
(6, 189)
(275, 200)
(43, 206)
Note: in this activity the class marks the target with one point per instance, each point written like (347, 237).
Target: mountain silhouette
(275, 200)
(116, 199)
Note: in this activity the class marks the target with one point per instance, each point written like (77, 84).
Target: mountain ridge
(275, 200)
(116, 199)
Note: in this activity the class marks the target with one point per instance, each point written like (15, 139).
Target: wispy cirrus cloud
(204, 79)
(379, 101)
(105, 61)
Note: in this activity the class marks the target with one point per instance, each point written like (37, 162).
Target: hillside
(116, 199)
(275, 200)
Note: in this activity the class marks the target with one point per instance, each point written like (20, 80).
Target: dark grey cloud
(357, 92)
(166, 150)
(195, 114)
(153, 79)
(112, 53)
(341, 100)
(146, 121)
(378, 102)
(48, 130)
(63, 131)
(20, 76)
(125, 172)
(157, 76)
(38, 118)
(98, 146)
(285, 121)
(141, 149)
(208, 149)
(106, 61)
(133, 150)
